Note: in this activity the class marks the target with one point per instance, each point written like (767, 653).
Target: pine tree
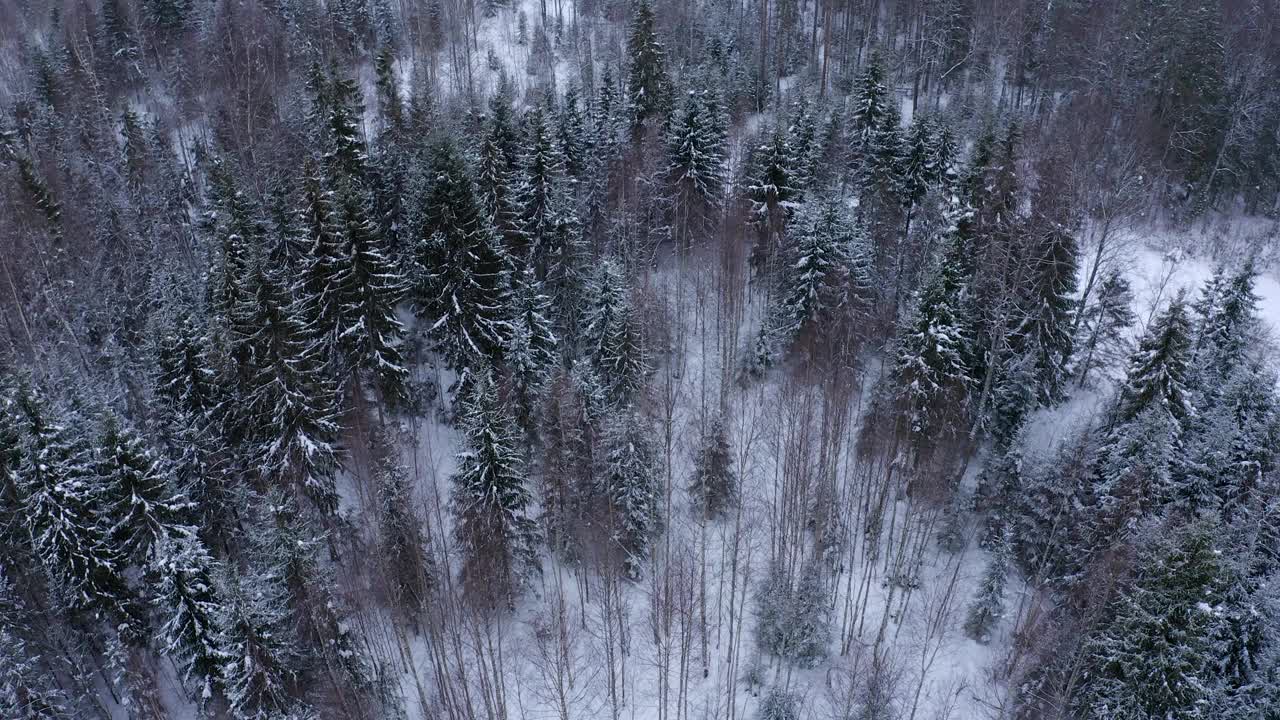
(261, 665)
(463, 274)
(548, 219)
(695, 167)
(288, 413)
(490, 502)
(931, 373)
(647, 83)
(141, 506)
(1102, 325)
(610, 334)
(186, 599)
(62, 501)
(988, 606)
(402, 541)
(714, 486)
(1157, 373)
(630, 488)
(773, 193)
(827, 278)
(1155, 658)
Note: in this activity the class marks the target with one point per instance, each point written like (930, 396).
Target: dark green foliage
(490, 502)
(463, 275)
(647, 84)
(187, 604)
(611, 334)
(631, 489)
(714, 485)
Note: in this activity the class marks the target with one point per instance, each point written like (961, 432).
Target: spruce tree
(1102, 324)
(63, 501)
(1047, 315)
(988, 606)
(1157, 372)
(572, 417)
(547, 215)
(631, 489)
(826, 279)
(261, 663)
(695, 167)
(462, 288)
(647, 83)
(714, 486)
(931, 374)
(490, 502)
(611, 336)
(773, 192)
(186, 380)
(402, 541)
(534, 348)
(186, 599)
(288, 413)
(1155, 657)
(370, 333)
(141, 505)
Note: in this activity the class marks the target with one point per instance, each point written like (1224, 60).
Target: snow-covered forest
(639, 359)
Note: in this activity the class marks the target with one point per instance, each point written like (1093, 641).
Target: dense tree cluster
(332, 342)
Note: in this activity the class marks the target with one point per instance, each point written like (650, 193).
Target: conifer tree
(187, 602)
(490, 501)
(572, 418)
(62, 501)
(1224, 331)
(548, 220)
(288, 413)
(463, 274)
(1156, 656)
(695, 167)
(647, 83)
(534, 348)
(610, 334)
(185, 379)
(293, 545)
(714, 485)
(826, 279)
(141, 506)
(261, 656)
(26, 690)
(773, 193)
(1157, 372)
(630, 488)
(402, 541)
(572, 135)
(1102, 324)
(1047, 316)
(931, 373)
(988, 606)
(370, 334)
